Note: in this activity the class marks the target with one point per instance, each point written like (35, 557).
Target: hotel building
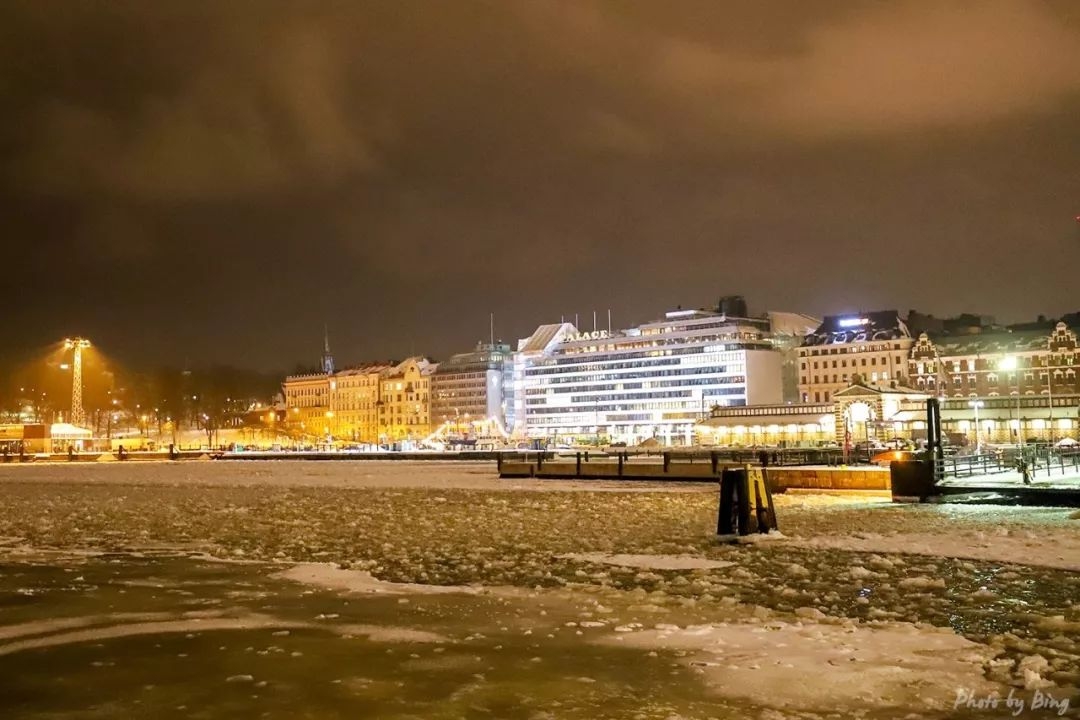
(652, 381)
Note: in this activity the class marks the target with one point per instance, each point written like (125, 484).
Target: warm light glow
(859, 412)
(1065, 423)
(1007, 363)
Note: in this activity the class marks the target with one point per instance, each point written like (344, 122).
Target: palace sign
(594, 335)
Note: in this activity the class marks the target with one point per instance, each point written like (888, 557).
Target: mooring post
(622, 457)
(715, 459)
(577, 469)
(667, 461)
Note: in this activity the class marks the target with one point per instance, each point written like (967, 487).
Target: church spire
(327, 358)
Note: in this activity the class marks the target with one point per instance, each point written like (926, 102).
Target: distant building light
(852, 322)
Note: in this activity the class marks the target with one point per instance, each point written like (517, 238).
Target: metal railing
(1039, 460)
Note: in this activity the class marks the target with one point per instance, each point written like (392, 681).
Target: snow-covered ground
(460, 594)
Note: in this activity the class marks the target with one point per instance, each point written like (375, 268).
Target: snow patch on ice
(377, 633)
(1063, 552)
(650, 562)
(756, 538)
(330, 577)
(809, 665)
(247, 622)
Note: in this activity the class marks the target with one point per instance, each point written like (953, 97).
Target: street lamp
(978, 437)
(1010, 364)
(1050, 393)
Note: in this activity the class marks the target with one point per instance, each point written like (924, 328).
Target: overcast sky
(213, 181)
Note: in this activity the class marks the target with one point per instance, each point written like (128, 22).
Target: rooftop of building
(543, 336)
(1001, 341)
(363, 369)
(859, 327)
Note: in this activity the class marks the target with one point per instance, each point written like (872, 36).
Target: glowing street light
(978, 438)
(78, 415)
(1010, 364)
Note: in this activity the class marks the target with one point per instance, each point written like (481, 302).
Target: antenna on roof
(609, 321)
(493, 329)
(575, 320)
(594, 321)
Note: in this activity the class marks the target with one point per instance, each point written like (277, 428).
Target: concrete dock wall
(780, 478)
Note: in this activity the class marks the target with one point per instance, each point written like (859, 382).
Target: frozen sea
(435, 590)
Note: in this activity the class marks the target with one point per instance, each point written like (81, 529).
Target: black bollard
(715, 460)
(745, 502)
(667, 461)
(622, 458)
(577, 467)
(727, 519)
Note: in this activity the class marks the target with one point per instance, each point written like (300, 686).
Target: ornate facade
(987, 365)
(405, 401)
(871, 348)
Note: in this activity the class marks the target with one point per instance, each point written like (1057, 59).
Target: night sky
(210, 182)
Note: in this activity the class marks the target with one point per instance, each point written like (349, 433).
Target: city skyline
(224, 187)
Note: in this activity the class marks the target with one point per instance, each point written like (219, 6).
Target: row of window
(877, 347)
(883, 376)
(854, 362)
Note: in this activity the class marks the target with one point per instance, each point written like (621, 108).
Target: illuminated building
(308, 404)
(355, 402)
(871, 348)
(788, 425)
(469, 387)
(334, 405)
(656, 380)
(405, 401)
(1025, 379)
(542, 343)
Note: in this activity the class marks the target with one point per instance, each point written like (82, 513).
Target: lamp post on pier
(976, 404)
(1010, 364)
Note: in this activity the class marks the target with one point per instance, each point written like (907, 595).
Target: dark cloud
(228, 176)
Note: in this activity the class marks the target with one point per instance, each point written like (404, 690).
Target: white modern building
(652, 381)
